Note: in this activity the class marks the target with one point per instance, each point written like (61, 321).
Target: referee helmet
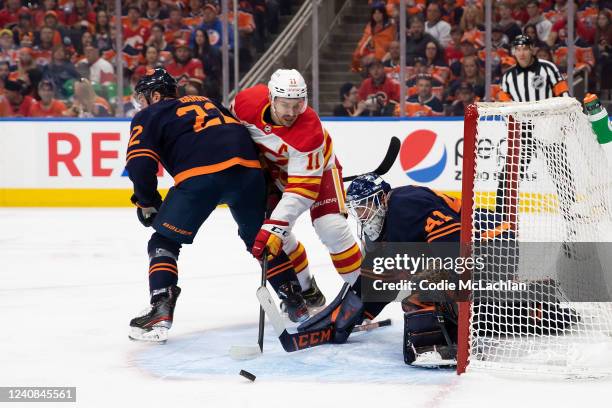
(522, 40)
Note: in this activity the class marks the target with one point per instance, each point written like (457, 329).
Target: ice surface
(71, 279)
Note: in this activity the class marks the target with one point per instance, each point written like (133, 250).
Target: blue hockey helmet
(366, 201)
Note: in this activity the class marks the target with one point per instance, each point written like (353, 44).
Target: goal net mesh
(542, 222)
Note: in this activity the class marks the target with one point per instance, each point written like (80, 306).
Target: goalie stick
(384, 167)
(304, 339)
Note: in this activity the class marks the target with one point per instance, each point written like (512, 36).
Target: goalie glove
(272, 235)
(146, 212)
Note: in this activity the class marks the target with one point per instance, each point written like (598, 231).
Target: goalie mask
(288, 83)
(366, 201)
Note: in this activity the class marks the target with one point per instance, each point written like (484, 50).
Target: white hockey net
(541, 217)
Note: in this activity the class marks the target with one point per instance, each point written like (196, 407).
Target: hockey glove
(146, 212)
(271, 235)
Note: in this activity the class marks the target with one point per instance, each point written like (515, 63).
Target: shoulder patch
(248, 103)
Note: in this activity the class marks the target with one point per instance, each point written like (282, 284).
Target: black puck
(248, 375)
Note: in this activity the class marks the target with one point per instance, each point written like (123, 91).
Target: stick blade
(246, 352)
(383, 168)
(268, 305)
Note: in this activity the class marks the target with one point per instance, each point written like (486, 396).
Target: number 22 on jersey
(205, 116)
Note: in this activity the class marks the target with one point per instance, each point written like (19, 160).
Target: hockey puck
(247, 375)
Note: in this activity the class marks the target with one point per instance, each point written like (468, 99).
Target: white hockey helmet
(288, 83)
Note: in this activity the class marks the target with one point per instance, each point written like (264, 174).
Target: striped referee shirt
(540, 80)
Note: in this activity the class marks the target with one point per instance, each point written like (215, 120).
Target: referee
(531, 80)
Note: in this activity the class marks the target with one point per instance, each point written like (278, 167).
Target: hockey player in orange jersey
(299, 155)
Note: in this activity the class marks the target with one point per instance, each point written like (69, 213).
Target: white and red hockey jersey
(296, 156)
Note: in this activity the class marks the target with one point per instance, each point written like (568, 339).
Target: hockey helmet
(156, 80)
(288, 83)
(366, 201)
(522, 40)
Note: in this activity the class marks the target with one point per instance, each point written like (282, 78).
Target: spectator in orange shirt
(19, 104)
(426, 98)
(471, 24)
(175, 27)
(25, 24)
(48, 106)
(43, 48)
(452, 12)
(184, 64)
(377, 36)
(48, 5)
(51, 20)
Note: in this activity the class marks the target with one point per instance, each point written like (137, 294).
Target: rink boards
(80, 163)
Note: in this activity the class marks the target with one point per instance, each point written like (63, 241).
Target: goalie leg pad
(343, 313)
(428, 330)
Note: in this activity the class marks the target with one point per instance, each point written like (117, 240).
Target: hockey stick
(305, 339)
(387, 163)
(238, 352)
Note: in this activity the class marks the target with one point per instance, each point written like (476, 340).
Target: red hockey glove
(271, 235)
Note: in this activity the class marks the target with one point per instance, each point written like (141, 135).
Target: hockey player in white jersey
(299, 155)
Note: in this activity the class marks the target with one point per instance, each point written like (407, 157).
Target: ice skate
(153, 323)
(292, 302)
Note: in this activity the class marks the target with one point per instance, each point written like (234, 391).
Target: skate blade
(432, 359)
(156, 334)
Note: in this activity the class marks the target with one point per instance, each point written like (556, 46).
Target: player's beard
(288, 121)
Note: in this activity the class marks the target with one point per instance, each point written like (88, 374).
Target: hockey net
(537, 207)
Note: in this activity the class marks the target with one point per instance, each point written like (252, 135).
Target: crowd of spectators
(445, 53)
(58, 57)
